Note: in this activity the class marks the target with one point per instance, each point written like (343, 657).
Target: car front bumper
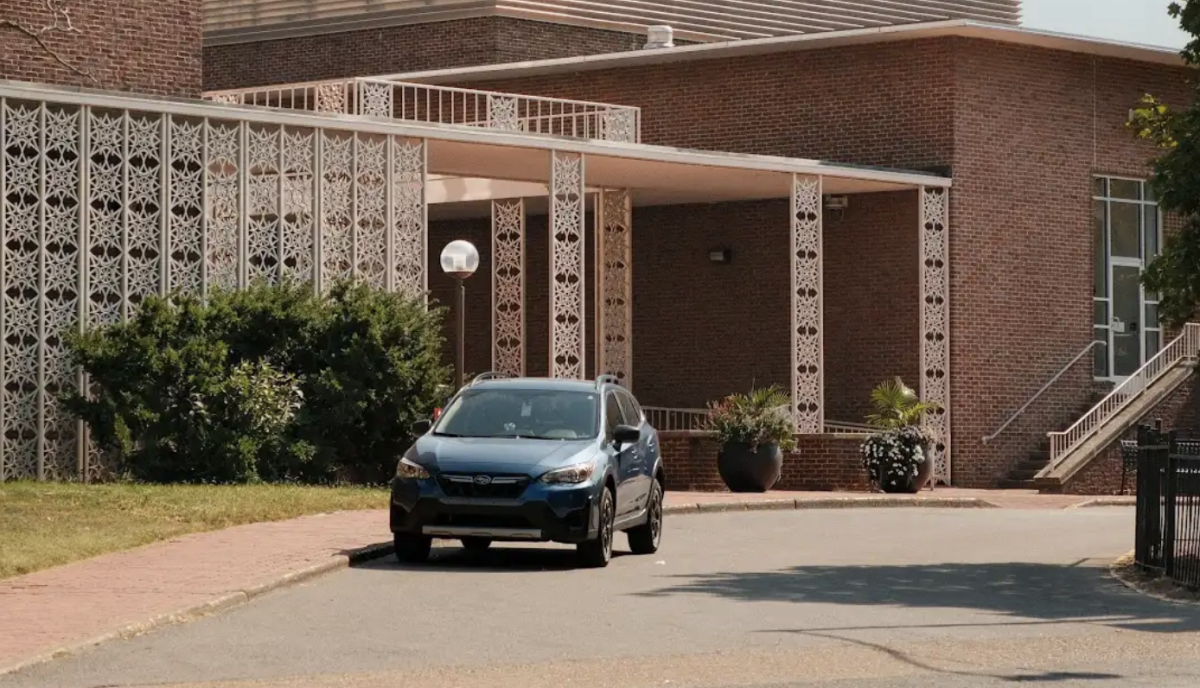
(566, 514)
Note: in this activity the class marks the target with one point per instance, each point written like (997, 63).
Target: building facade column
(408, 243)
(568, 347)
(508, 287)
(935, 319)
(614, 286)
(808, 364)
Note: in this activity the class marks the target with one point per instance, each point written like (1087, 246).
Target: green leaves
(270, 383)
(761, 417)
(897, 406)
(1175, 274)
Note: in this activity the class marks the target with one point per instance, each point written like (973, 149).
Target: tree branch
(60, 11)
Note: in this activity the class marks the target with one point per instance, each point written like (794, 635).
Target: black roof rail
(490, 375)
(601, 379)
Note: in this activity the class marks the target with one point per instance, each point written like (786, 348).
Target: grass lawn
(47, 524)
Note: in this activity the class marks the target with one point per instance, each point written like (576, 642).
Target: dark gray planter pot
(910, 484)
(747, 470)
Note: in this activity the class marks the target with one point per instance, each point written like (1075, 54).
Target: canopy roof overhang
(463, 161)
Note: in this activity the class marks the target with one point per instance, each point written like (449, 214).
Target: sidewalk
(124, 593)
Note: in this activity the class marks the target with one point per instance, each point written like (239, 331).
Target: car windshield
(526, 413)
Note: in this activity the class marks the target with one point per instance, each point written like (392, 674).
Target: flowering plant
(760, 417)
(897, 451)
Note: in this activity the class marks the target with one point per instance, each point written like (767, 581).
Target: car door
(647, 450)
(624, 457)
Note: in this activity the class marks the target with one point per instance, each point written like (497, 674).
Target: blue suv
(528, 459)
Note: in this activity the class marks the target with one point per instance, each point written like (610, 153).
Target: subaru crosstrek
(527, 459)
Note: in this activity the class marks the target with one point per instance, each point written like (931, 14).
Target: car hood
(499, 455)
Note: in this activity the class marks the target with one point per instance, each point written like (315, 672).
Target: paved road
(901, 598)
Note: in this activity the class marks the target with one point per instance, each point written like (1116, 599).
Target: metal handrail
(1040, 392)
(1183, 348)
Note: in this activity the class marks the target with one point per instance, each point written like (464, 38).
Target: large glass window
(1126, 235)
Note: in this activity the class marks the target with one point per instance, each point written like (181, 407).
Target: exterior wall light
(720, 254)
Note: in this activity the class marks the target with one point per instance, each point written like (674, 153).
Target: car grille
(499, 487)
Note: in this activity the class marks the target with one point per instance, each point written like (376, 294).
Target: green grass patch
(48, 524)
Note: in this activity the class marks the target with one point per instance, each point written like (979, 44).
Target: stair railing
(1185, 347)
(1042, 391)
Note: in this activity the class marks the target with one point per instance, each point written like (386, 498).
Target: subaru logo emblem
(483, 480)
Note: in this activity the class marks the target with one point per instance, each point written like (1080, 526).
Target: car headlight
(411, 471)
(570, 475)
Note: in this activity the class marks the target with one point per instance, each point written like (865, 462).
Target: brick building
(1049, 221)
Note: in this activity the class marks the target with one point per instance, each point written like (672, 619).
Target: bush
(271, 383)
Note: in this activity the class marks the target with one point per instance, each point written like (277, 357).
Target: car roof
(546, 383)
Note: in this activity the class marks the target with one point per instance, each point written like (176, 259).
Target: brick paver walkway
(71, 604)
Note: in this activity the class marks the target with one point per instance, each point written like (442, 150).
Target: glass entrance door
(1126, 235)
(1125, 343)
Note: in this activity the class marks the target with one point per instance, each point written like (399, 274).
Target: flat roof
(1016, 35)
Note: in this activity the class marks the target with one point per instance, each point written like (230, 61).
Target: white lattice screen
(101, 207)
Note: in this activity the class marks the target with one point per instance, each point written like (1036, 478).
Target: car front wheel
(646, 538)
(597, 553)
(412, 549)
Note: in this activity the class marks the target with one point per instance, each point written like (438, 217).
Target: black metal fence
(1168, 505)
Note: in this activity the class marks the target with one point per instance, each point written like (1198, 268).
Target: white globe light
(460, 259)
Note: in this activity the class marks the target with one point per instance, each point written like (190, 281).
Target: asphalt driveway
(871, 598)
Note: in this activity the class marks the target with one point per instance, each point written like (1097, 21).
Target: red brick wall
(681, 360)
(416, 47)
(888, 104)
(1031, 128)
(872, 300)
(148, 46)
(820, 463)
(1022, 129)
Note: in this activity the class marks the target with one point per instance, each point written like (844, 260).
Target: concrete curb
(831, 503)
(209, 607)
(1103, 501)
(1120, 569)
(380, 550)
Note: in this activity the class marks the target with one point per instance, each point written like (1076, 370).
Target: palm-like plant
(897, 406)
(760, 417)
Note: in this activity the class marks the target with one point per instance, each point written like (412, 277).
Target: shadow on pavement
(499, 558)
(1031, 593)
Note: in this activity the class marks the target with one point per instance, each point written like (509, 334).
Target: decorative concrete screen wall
(103, 206)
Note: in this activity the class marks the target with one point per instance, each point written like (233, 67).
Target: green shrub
(271, 383)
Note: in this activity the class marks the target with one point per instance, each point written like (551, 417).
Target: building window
(1126, 236)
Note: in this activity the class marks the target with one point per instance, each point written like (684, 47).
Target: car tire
(412, 549)
(596, 553)
(646, 538)
(476, 544)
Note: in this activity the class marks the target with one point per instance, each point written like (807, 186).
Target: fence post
(1169, 508)
(1140, 539)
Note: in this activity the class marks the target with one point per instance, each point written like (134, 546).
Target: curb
(377, 551)
(1118, 570)
(213, 606)
(831, 503)
(1103, 502)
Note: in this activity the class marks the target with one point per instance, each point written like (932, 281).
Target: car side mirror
(421, 427)
(626, 434)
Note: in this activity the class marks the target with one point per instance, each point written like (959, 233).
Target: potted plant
(753, 430)
(899, 456)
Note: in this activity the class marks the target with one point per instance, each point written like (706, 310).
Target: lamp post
(460, 260)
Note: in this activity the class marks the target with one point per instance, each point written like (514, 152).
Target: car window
(630, 409)
(533, 413)
(612, 414)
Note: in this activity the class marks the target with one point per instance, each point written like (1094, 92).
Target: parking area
(762, 598)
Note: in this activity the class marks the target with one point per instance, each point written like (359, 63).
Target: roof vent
(660, 36)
